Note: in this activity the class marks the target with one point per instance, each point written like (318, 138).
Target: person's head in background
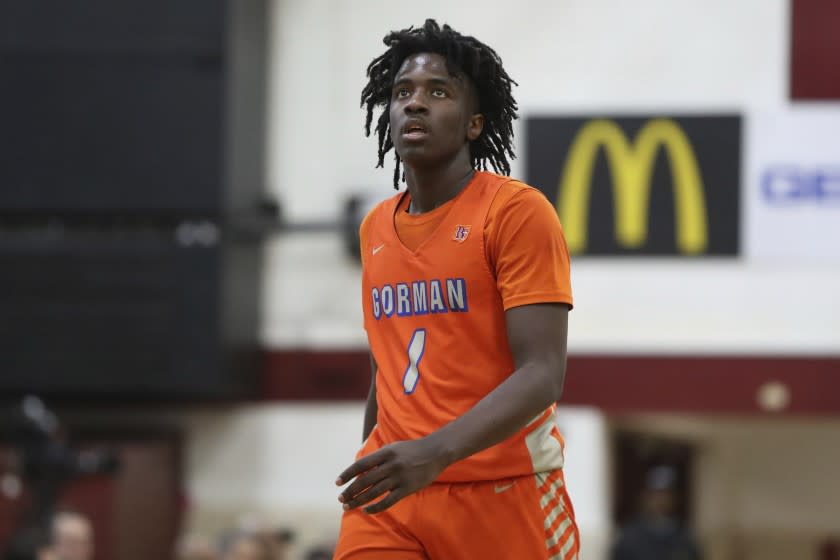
(71, 534)
(658, 498)
(281, 540)
(196, 547)
(249, 546)
(319, 553)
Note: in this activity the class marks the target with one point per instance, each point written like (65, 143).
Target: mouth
(414, 131)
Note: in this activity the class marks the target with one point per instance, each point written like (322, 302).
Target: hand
(399, 468)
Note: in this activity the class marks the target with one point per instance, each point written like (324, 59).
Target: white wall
(645, 306)
(272, 456)
(279, 463)
(764, 485)
(653, 55)
(568, 56)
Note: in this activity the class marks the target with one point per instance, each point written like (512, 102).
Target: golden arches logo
(631, 166)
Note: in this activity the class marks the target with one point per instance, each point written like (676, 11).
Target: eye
(401, 92)
(439, 92)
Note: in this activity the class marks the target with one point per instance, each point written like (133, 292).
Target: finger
(364, 464)
(370, 494)
(364, 481)
(392, 498)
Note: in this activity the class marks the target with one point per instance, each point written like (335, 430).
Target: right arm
(371, 408)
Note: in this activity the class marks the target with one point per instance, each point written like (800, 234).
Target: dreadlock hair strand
(464, 55)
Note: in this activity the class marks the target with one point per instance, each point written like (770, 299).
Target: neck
(431, 187)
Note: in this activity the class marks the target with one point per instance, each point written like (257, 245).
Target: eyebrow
(434, 81)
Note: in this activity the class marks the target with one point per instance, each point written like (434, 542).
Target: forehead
(424, 65)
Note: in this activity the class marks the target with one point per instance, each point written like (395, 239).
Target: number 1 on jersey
(415, 353)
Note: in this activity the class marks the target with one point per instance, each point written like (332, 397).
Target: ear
(474, 126)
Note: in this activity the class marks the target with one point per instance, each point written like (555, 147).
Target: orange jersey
(435, 290)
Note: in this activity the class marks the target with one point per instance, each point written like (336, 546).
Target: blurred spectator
(29, 544)
(319, 553)
(281, 540)
(252, 526)
(249, 546)
(72, 536)
(656, 534)
(196, 547)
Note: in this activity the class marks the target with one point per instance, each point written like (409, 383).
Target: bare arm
(537, 337)
(371, 408)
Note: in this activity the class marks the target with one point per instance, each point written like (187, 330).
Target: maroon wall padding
(703, 384)
(815, 49)
(309, 375)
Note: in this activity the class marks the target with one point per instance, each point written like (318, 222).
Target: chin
(416, 156)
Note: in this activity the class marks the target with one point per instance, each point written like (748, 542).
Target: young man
(466, 296)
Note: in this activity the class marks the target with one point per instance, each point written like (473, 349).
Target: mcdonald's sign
(641, 185)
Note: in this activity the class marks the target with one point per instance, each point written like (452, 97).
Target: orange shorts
(524, 518)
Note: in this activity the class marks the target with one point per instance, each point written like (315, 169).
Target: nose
(416, 104)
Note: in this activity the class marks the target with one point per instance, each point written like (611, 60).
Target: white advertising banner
(792, 190)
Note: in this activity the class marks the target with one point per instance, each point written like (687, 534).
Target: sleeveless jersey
(436, 328)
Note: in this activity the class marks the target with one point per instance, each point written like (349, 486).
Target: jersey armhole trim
(539, 297)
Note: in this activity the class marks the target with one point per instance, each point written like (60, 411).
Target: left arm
(537, 337)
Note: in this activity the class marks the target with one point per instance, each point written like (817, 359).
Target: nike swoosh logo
(377, 249)
(500, 489)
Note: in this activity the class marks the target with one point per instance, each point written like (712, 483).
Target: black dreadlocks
(464, 55)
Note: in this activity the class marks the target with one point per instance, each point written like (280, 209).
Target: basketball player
(466, 296)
